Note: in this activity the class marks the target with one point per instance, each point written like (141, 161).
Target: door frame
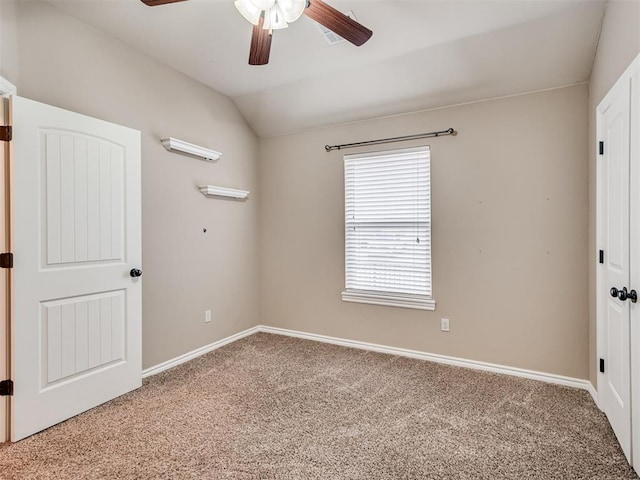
(631, 76)
(6, 89)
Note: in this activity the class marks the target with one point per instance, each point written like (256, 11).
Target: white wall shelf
(186, 148)
(7, 88)
(213, 191)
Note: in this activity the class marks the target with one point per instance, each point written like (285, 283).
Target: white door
(618, 231)
(616, 394)
(77, 235)
(635, 262)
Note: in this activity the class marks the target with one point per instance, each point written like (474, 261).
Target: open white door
(76, 335)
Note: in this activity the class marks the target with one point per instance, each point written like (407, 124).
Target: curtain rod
(441, 133)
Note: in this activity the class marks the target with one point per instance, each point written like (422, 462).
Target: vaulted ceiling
(423, 54)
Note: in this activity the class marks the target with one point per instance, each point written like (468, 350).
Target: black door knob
(135, 272)
(624, 294)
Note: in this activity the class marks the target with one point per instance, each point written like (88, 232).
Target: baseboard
(197, 352)
(432, 357)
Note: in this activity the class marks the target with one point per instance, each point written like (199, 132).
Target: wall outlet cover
(444, 324)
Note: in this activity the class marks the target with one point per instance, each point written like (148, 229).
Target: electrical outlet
(444, 324)
(207, 316)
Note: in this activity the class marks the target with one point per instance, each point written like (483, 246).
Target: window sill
(390, 300)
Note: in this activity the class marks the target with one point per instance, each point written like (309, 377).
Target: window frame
(392, 299)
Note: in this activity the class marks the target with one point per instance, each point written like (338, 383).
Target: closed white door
(634, 154)
(618, 273)
(616, 392)
(77, 235)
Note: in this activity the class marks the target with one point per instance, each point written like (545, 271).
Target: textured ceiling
(423, 54)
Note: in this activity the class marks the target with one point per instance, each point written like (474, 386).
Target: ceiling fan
(269, 15)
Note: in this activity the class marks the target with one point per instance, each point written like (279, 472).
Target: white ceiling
(423, 54)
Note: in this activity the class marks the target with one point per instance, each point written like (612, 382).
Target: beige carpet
(272, 407)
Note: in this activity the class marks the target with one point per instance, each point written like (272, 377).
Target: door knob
(135, 272)
(624, 294)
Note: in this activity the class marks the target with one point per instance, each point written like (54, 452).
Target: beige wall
(618, 46)
(509, 233)
(66, 63)
(8, 41)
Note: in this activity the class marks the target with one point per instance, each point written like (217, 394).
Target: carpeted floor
(273, 407)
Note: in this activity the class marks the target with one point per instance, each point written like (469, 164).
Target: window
(388, 228)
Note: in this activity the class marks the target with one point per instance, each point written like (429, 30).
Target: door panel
(617, 331)
(84, 180)
(77, 328)
(82, 333)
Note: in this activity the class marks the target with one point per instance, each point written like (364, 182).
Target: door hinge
(6, 388)
(6, 133)
(601, 256)
(602, 365)
(6, 260)
(601, 148)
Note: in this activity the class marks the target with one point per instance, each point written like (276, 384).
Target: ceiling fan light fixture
(262, 4)
(277, 13)
(274, 19)
(292, 9)
(248, 10)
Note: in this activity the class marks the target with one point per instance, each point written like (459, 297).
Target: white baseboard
(431, 357)
(161, 367)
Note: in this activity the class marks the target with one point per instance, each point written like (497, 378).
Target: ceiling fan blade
(154, 3)
(338, 22)
(260, 45)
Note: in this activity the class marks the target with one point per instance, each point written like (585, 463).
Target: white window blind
(388, 227)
